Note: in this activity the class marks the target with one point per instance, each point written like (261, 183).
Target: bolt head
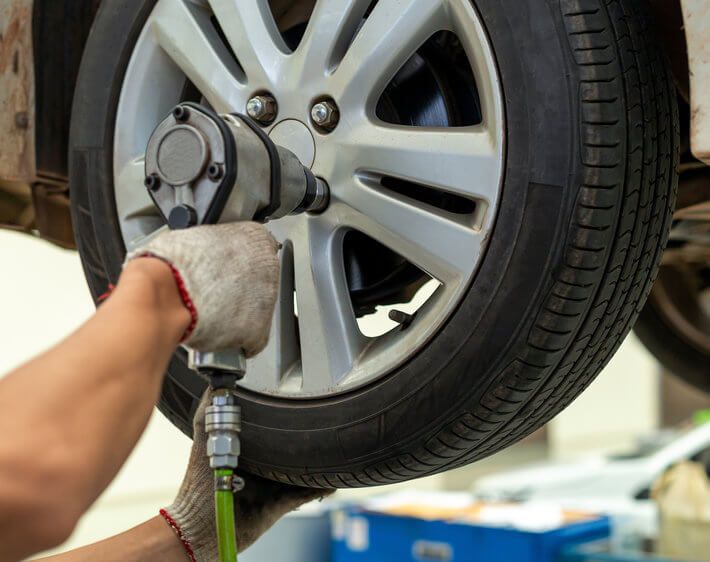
(325, 114)
(181, 113)
(215, 172)
(256, 108)
(319, 113)
(152, 182)
(262, 108)
(22, 120)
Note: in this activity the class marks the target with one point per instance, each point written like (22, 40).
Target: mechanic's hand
(257, 507)
(228, 276)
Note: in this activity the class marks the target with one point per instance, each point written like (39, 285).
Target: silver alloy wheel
(352, 62)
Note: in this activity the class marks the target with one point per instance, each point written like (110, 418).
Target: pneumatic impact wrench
(204, 168)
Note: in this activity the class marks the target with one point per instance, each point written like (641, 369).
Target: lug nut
(262, 108)
(152, 182)
(325, 114)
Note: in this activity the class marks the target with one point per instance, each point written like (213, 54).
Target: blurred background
(46, 298)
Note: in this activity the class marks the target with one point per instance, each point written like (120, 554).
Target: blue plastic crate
(362, 536)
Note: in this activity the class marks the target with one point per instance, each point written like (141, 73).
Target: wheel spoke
(463, 161)
(282, 350)
(391, 34)
(436, 243)
(252, 33)
(144, 239)
(330, 337)
(137, 213)
(185, 33)
(330, 30)
(131, 195)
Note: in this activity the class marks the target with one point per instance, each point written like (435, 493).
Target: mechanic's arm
(191, 534)
(148, 542)
(70, 418)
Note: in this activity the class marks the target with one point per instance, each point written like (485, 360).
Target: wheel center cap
(296, 137)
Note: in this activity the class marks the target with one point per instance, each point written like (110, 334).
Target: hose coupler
(223, 423)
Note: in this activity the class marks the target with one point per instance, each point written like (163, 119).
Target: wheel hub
(296, 137)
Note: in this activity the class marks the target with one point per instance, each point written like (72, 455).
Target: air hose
(222, 425)
(226, 524)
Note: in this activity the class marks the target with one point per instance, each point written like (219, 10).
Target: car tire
(589, 187)
(670, 327)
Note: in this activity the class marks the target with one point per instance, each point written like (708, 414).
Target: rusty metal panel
(17, 149)
(696, 15)
(52, 215)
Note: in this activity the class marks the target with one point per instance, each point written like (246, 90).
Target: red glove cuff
(187, 301)
(184, 295)
(175, 527)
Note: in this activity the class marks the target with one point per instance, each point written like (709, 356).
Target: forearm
(77, 411)
(151, 541)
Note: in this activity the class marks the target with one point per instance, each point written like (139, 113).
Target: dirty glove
(256, 508)
(228, 277)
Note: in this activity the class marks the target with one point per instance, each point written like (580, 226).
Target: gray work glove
(256, 508)
(228, 276)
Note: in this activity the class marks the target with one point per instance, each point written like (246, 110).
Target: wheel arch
(60, 31)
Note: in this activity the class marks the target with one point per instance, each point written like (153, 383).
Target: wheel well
(60, 31)
(669, 26)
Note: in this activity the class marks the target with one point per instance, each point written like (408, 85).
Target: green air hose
(226, 525)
